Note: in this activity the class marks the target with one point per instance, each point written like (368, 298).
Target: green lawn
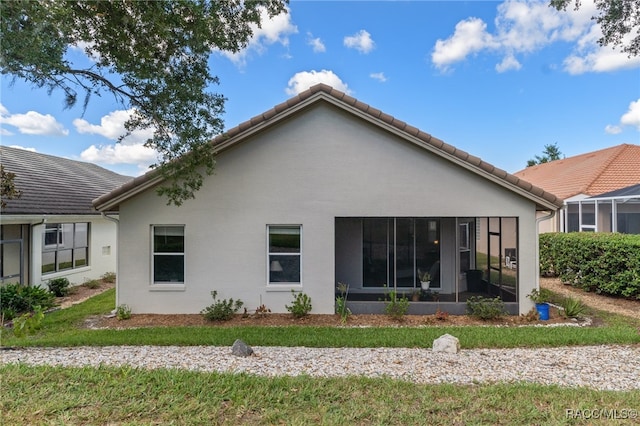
(128, 396)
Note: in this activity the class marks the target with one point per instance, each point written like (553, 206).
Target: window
(65, 246)
(168, 254)
(284, 255)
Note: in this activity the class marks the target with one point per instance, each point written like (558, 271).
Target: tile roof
(591, 174)
(544, 200)
(632, 191)
(54, 185)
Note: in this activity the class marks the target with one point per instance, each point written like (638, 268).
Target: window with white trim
(284, 254)
(65, 246)
(168, 254)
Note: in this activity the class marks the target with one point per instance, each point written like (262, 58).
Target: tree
(617, 18)
(150, 55)
(8, 189)
(550, 153)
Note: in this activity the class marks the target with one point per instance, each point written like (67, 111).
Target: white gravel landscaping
(606, 367)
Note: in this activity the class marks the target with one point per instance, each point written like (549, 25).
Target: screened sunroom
(436, 262)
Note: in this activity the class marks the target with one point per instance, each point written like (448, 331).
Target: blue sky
(497, 79)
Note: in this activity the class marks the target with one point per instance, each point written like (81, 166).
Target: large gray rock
(446, 343)
(240, 348)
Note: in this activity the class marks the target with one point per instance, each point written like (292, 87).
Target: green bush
(573, 308)
(221, 310)
(486, 308)
(301, 305)
(397, 306)
(123, 312)
(59, 286)
(16, 299)
(601, 262)
(109, 277)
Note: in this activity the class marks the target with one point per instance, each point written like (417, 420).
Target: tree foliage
(152, 56)
(617, 18)
(550, 153)
(8, 190)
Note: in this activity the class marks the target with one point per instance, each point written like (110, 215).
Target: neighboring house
(616, 211)
(52, 229)
(583, 176)
(324, 189)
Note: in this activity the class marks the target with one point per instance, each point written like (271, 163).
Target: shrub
(221, 310)
(301, 305)
(123, 312)
(16, 299)
(92, 284)
(486, 308)
(109, 277)
(341, 302)
(602, 262)
(540, 296)
(28, 323)
(397, 306)
(573, 308)
(59, 286)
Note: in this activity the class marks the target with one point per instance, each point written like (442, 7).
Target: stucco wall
(306, 171)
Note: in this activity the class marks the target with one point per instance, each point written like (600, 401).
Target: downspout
(117, 222)
(538, 221)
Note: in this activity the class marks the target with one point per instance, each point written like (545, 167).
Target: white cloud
(632, 117)
(317, 44)
(130, 151)
(361, 41)
(378, 76)
(120, 154)
(303, 80)
(32, 123)
(508, 63)
(612, 130)
(23, 148)
(274, 30)
(112, 127)
(525, 26)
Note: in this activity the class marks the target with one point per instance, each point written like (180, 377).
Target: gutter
(112, 219)
(538, 221)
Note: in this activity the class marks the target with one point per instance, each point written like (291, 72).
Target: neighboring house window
(284, 254)
(168, 254)
(65, 246)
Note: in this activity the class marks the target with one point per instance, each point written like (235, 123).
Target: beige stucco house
(324, 189)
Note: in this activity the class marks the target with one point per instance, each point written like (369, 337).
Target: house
(325, 189)
(616, 211)
(584, 176)
(52, 229)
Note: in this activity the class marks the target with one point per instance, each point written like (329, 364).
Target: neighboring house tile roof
(592, 173)
(322, 92)
(627, 192)
(54, 185)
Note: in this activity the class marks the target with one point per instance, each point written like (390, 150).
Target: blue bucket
(543, 311)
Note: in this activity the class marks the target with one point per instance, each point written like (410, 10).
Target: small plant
(540, 296)
(573, 308)
(532, 315)
(301, 305)
(59, 286)
(262, 311)
(221, 310)
(28, 323)
(109, 277)
(341, 302)
(123, 312)
(424, 276)
(397, 305)
(486, 308)
(92, 284)
(441, 315)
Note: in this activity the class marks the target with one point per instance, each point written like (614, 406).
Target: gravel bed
(600, 367)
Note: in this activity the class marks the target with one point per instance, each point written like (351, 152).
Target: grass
(119, 396)
(55, 395)
(61, 329)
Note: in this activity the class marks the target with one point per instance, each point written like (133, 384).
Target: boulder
(240, 348)
(446, 343)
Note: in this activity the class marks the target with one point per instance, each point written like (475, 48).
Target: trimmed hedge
(601, 262)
